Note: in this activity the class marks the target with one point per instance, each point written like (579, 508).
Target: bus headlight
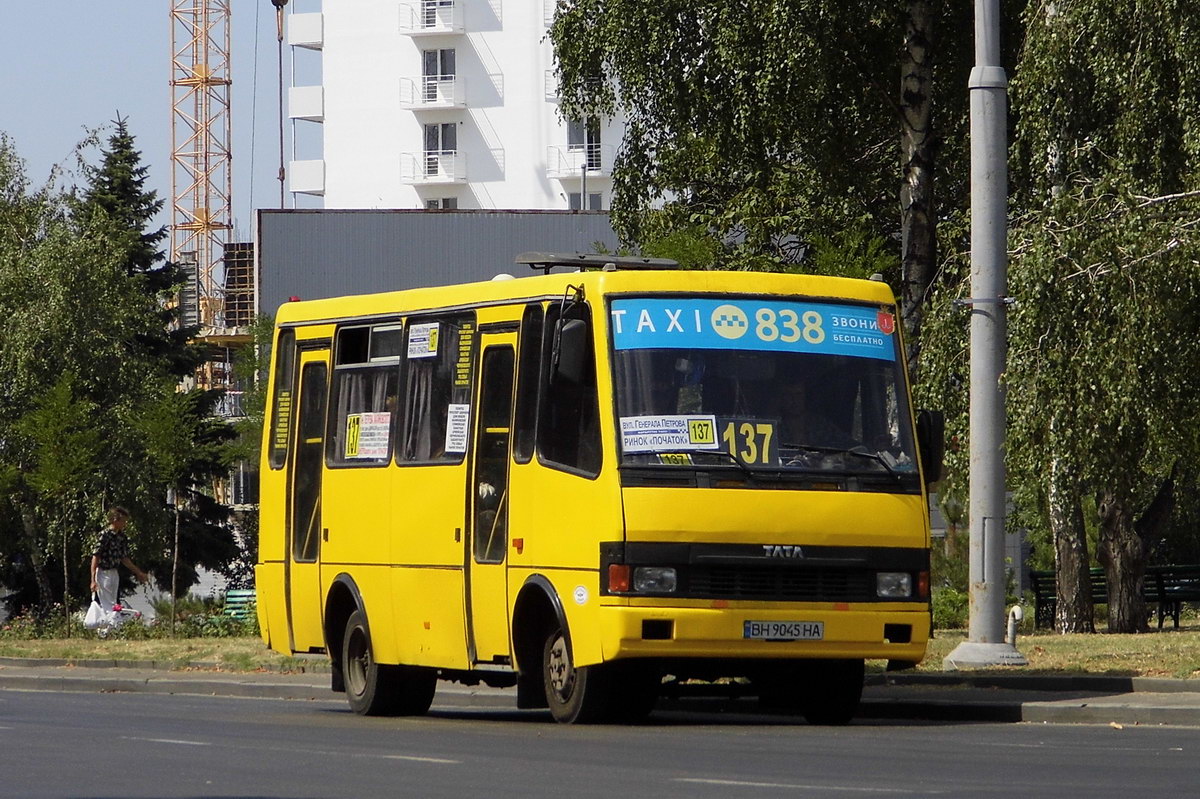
(893, 585)
(654, 579)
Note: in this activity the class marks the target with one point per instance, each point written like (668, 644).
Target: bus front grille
(802, 585)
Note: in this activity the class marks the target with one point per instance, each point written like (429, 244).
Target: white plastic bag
(95, 616)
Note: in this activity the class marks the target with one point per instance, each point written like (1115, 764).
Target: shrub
(951, 608)
(196, 618)
(33, 624)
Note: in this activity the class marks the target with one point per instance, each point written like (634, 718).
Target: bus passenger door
(487, 592)
(304, 518)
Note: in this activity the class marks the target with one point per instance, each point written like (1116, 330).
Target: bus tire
(576, 695)
(634, 690)
(375, 689)
(835, 691)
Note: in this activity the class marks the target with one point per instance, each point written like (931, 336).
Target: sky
(70, 66)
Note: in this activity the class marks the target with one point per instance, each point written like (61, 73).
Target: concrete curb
(1099, 683)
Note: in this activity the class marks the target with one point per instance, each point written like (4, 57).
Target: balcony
(432, 92)
(431, 17)
(567, 161)
(551, 82)
(306, 30)
(548, 7)
(433, 167)
(306, 102)
(307, 177)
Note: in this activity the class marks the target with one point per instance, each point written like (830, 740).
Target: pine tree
(117, 189)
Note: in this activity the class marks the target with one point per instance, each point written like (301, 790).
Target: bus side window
(437, 360)
(284, 396)
(528, 370)
(568, 430)
(365, 396)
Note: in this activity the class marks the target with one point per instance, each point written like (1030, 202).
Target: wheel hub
(357, 664)
(562, 675)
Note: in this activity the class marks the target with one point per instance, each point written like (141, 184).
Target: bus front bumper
(736, 632)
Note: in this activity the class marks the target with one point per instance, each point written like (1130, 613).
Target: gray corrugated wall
(313, 254)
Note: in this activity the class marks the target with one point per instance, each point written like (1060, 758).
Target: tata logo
(782, 551)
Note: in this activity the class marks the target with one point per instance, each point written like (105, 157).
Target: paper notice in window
(668, 433)
(423, 340)
(373, 434)
(457, 427)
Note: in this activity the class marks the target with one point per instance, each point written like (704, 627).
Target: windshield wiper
(858, 451)
(750, 473)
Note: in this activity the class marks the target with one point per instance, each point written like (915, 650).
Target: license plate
(784, 630)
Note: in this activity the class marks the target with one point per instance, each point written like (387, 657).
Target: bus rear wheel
(574, 694)
(375, 689)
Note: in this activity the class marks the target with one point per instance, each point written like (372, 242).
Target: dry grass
(238, 654)
(1170, 653)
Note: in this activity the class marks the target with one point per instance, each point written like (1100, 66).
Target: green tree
(1102, 370)
(763, 133)
(85, 359)
(67, 314)
(116, 188)
(179, 444)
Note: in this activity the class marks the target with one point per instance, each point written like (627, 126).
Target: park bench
(1167, 587)
(1170, 587)
(1045, 594)
(239, 603)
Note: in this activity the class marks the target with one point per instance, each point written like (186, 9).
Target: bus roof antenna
(546, 261)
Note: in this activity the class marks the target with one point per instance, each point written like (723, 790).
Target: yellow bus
(596, 485)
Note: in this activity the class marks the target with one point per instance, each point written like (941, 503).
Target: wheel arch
(343, 599)
(538, 606)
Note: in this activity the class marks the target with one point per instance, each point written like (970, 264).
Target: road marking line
(417, 759)
(797, 786)
(168, 741)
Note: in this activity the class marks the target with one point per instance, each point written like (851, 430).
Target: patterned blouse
(112, 549)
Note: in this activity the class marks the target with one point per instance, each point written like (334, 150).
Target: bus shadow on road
(707, 716)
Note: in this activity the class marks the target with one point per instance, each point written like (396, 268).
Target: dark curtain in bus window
(528, 372)
(366, 401)
(437, 388)
(281, 403)
(568, 432)
(306, 523)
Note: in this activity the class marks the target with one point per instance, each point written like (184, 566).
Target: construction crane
(220, 298)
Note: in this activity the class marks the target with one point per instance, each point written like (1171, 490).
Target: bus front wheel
(376, 689)
(574, 694)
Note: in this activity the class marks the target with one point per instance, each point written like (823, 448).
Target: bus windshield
(769, 385)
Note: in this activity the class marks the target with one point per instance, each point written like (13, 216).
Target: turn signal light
(923, 585)
(618, 577)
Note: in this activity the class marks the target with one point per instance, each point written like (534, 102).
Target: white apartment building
(436, 104)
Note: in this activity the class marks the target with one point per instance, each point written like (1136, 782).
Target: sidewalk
(938, 697)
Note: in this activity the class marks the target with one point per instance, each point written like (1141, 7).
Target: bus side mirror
(570, 351)
(931, 443)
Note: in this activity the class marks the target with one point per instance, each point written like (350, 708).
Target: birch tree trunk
(1073, 602)
(37, 558)
(917, 210)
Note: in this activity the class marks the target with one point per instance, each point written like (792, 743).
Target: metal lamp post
(985, 644)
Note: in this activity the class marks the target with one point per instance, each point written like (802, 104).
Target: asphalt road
(133, 745)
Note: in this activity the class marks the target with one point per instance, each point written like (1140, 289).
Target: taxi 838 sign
(748, 324)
